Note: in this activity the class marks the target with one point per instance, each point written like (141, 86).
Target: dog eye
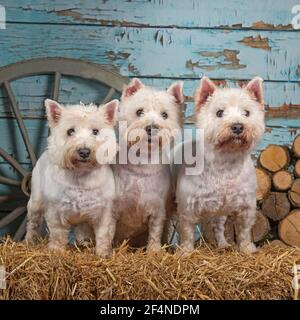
(247, 113)
(164, 115)
(70, 132)
(95, 132)
(220, 113)
(140, 112)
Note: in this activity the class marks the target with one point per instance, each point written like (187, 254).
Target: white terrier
(144, 191)
(72, 182)
(233, 122)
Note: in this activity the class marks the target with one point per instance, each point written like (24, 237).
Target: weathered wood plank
(282, 97)
(280, 131)
(267, 14)
(155, 52)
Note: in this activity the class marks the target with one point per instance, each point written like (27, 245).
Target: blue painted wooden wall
(158, 41)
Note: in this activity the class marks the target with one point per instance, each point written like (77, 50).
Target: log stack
(280, 203)
(278, 196)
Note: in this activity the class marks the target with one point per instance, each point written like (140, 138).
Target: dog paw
(84, 243)
(154, 247)
(56, 247)
(104, 253)
(31, 238)
(183, 251)
(248, 248)
(223, 245)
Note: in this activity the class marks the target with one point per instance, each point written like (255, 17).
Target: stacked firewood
(278, 197)
(278, 194)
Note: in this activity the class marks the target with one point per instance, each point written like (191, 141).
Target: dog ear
(110, 111)
(130, 89)
(54, 111)
(176, 90)
(255, 89)
(204, 91)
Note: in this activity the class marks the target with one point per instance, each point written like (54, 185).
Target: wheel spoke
(11, 182)
(109, 95)
(11, 197)
(21, 230)
(20, 121)
(56, 85)
(13, 162)
(12, 216)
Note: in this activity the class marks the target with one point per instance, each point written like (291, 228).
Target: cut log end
(274, 158)
(297, 169)
(282, 180)
(276, 206)
(296, 147)
(277, 243)
(263, 184)
(289, 229)
(261, 227)
(294, 193)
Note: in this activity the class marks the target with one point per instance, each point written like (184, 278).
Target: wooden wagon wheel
(58, 67)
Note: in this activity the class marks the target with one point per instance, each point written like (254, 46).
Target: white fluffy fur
(67, 192)
(144, 192)
(228, 183)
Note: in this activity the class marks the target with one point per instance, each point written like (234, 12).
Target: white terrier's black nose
(237, 128)
(84, 152)
(151, 130)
